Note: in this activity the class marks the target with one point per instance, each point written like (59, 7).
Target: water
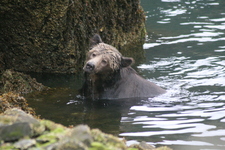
(185, 54)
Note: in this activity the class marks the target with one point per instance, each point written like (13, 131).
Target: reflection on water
(185, 54)
(187, 58)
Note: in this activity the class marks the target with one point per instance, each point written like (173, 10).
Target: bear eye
(93, 55)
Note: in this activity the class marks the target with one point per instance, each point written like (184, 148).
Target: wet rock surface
(13, 84)
(20, 130)
(13, 100)
(18, 82)
(16, 124)
(53, 36)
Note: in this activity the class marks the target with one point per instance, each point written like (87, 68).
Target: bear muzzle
(89, 67)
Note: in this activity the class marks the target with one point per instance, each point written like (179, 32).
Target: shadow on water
(65, 106)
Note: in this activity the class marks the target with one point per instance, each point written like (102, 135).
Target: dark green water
(185, 54)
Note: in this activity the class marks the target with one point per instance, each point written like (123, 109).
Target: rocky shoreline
(20, 130)
(53, 37)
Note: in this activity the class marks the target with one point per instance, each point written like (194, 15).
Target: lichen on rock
(53, 36)
(16, 124)
(13, 100)
(18, 82)
(20, 130)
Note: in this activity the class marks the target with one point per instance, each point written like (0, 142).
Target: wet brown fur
(111, 76)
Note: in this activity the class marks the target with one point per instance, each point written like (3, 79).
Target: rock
(146, 146)
(15, 131)
(51, 126)
(80, 133)
(11, 100)
(163, 148)
(20, 130)
(53, 36)
(16, 124)
(142, 146)
(20, 83)
(24, 143)
(106, 140)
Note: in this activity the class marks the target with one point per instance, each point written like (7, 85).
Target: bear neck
(99, 84)
(104, 80)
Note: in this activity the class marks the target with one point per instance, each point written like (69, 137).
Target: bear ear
(126, 61)
(96, 39)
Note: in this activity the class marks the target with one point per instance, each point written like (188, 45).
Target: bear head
(103, 58)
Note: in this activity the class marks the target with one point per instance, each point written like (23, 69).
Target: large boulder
(53, 36)
(16, 124)
(17, 82)
(20, 130)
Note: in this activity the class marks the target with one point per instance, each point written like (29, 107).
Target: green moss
(132, 149)
(15, 131)
(42, 145)
(8, 146)
(20, 135)
(163, 148)
(98, 146)
(109, 141)
(52, 134)
(50, 125)
(55, 132)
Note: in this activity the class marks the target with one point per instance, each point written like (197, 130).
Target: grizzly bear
(109, 75)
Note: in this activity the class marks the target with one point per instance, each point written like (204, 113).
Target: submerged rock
(20, 130)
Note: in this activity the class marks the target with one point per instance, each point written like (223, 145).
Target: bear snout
(89, 67)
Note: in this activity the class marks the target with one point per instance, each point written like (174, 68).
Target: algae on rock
(21, 131)
(13, 100)
(17, 82)
(16, 124)
(12, 84)
(53, 36)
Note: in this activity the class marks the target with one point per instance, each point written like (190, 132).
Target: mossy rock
(18, 82)
(106, 140)
(16, 124)
(53, 36)
(12, 100)
(20, 130)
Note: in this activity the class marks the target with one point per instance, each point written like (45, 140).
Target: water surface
(185, 54)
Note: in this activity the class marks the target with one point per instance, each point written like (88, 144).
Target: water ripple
(200, 40)
(189, 143)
